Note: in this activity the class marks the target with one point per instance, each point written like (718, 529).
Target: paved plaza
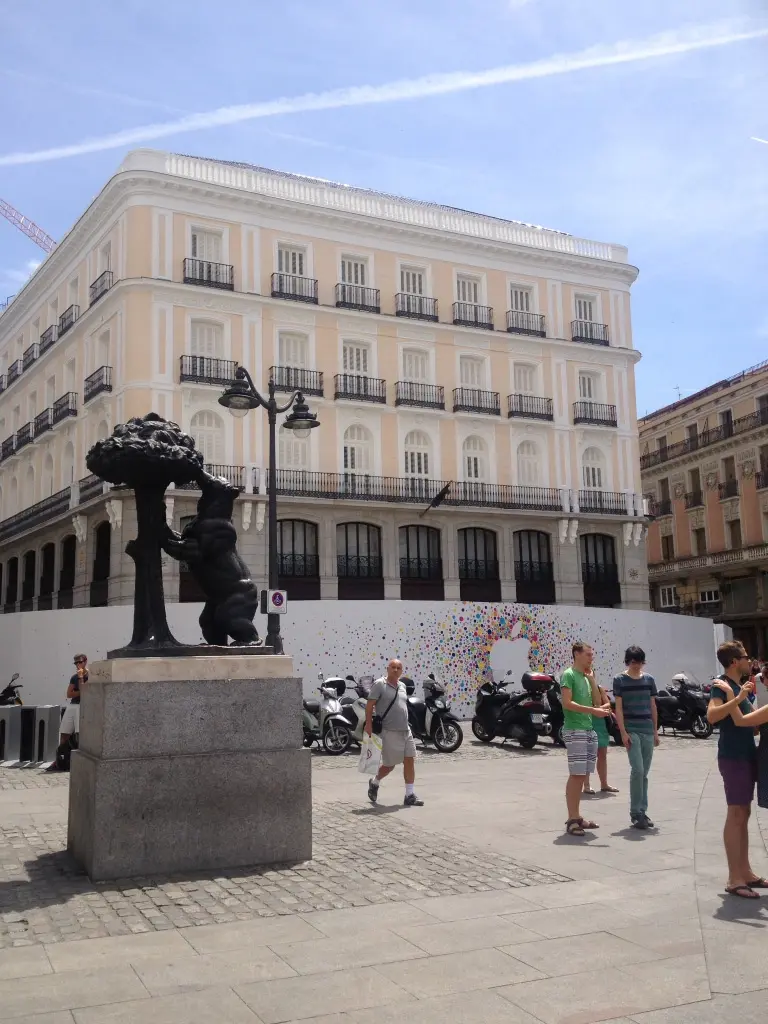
(475, 907)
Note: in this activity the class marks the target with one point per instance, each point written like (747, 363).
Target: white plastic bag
(370, 755)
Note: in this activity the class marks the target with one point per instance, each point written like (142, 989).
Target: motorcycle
(430, 719)
(323, 720)
(10, 695)
(513, 716)
(682, 708)
(353, 705)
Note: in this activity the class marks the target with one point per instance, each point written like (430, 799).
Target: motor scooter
(323, 720)
(512, 716)
(682, 708)
(353, 705)
(430, 718)
(10, 695)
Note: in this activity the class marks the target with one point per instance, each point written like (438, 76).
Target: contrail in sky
(754, 138)
(625, 52)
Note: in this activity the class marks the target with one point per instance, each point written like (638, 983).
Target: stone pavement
(475, 907)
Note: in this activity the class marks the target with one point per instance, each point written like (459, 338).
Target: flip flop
(758, 883)
(609, 789)
(745, 892)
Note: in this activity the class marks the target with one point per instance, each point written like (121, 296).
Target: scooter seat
(313, 706)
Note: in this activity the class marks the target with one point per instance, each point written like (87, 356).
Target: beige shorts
(395, 746)
(70, 720)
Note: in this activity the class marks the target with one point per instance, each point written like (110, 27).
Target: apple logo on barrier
(510, 654)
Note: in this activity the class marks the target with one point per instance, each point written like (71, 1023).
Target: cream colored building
(437, 347)
(704, 465)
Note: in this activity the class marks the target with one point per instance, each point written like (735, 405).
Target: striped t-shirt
(636, 696)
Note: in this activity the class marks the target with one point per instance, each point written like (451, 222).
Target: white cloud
(13, 279)
(627, 51)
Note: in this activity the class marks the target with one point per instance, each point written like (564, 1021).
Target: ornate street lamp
(240, 397)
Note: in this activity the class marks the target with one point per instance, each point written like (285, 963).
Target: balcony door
(358, 562)
(298, 561)
(478, 565)
(421, 565)
(599, 571)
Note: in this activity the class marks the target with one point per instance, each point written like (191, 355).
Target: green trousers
(640, 756)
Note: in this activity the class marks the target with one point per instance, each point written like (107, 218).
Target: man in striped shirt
(635, 694)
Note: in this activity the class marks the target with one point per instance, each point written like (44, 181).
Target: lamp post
(240, 397)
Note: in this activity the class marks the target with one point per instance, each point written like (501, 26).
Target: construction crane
(30, 229)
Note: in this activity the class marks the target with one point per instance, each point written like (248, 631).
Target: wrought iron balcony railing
(421, 568)
(694, 499)
(3, 383)
(474, 400)
(90, 486)
(235, 474)
(728, 488)
(525, 323)
(68, 318)
(290, 286)
(298, 565)
(753, 420)
(761, 479)
(206, 370)
(478, 569)
(100, 380)
(360, 389)
(43, 422)
(417, 307)
(589, 332)
(596, 413)
(15, 370)
(358, 296)
(7, 448)
(48, 338)
(100, 286)
(359, 566)
(40, 512)
(30, 356)
(291, 378)
(662, 507)
(612, 503)
(529, 407)
(24, 436)
(599, 572)
(208, 274)
(64, 407)
(426, 396)
(534, 571)
(470, 314)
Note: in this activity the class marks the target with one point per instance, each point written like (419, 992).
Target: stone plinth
(189, 764)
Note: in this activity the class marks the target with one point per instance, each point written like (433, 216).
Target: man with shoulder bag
(386, 714)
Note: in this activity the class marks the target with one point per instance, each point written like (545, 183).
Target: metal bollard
(10, 733)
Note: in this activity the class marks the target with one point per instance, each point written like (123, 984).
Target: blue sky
(653, 153)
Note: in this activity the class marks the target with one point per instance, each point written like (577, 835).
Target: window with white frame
(207, 245)
(585, 307)
(710, 596)
(668, 597)
(525, 379)
(292, 451)
(527, 463)
(358, 445)
(356, 358)
(475, 453)
(291, 259)
(416, 365)
(50, 391)
(593, 469)
(206, 339)
(417, 452)
(293, 350)
(412, 280)
(471, 372)
(73, 291)
(589, 386)
(207, 428)
(102, 350)
(68, 465)
(354, 270)
(105, 257)
(520, 298)
(467, 289)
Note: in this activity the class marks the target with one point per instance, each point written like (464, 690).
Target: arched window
(478, 555)
(298, 561)
(475, 453)
(68, 465)
(357, 449)
(292, 451)
(28, 581)
(534, 574)
(47, 578)
(67, 571)
(358, 562)
(527, 464)
(207, 339)
(417, 449)
(47, 478)
(101, 565)
(207, 428)
(29, 487)
(599, 571)
(11, 584)
(593, 469)
(420, 553)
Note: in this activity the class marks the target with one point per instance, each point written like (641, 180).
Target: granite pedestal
(189, 764)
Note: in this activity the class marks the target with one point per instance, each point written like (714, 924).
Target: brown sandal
(574, 827)
(588, 824)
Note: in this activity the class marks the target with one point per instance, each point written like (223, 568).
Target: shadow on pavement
(737, 910)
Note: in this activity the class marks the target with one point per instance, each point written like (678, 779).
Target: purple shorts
(739, 778)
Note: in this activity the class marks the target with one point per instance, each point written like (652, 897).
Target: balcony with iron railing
(358, 296)
(24, 436)
(3, 383)
(208, 274)
(15, 370)
(705, 563)
(100, 380)
(694, 499)
(761, 479)
(291, 564)
(475, 400)
(291, 286)
(30, 356)
(663, 507)
(597, 413)
(359, 388)
(291, 378)
(611, 503)
(359, 566)
(40, 512)
(100, 286)
(7, 448)
(68, 318)
(90, 486)
(206, 370)
(478, 569)
(417, 307)
(424, 396)
(43, 422)
(235, 474)
(519, 322)
(421, 568)
(589, 332)
(529, 407)
(48, 338)
(470, 314)
(64, 407)
(713, 435)
(728, 489)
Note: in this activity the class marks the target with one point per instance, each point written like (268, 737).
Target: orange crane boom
(30, 229)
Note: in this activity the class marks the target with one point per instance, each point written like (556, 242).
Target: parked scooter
(10, 695)
(430, 718)
(353, 705)
(684, 709)
(512, 716)
(323, 720)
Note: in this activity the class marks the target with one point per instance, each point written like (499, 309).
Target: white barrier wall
(460, 643)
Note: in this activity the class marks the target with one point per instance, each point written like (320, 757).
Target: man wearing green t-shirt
(581, 701)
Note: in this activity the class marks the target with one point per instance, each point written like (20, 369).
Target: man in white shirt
(388, 700)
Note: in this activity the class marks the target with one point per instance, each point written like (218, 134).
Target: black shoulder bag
(377, 722)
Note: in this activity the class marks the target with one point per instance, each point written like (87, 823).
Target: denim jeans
(640, 756)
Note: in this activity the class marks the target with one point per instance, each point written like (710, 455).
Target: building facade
(704, 464)
(442, 351)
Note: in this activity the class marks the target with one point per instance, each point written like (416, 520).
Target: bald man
(388, 699)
